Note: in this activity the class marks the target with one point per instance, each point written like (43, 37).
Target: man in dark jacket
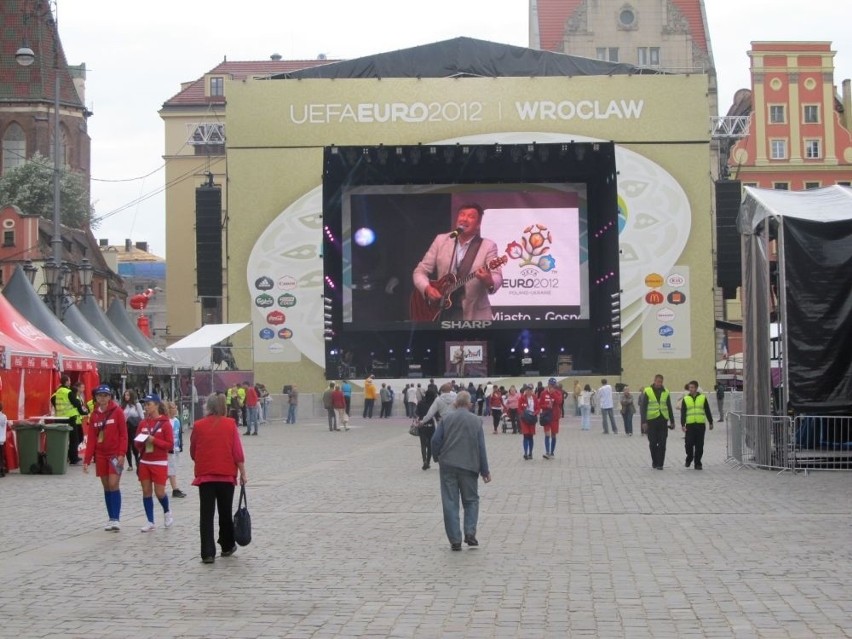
(693, 418)
(459, 447)
(655, 413)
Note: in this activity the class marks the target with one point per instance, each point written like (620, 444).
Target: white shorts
(174, 458)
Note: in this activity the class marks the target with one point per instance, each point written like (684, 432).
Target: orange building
(799, 134)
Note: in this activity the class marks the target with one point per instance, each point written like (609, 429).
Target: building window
(607, 54)
(776, 114)
(781, 186)
(810, 114)
(648, 56)
(778, 149)
(14, 147)
(217, 86)
(627, 18)
(812, 185)
(844, 183)
(8, 238)
(812, 149)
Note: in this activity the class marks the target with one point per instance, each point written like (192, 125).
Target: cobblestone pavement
(349, 542)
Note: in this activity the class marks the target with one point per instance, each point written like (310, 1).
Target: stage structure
(552, 211)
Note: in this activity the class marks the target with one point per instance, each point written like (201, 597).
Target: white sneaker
(116, 526)
(169, 519)
(109, 525)
(148, 527)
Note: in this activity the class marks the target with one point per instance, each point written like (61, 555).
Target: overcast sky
(137, 54)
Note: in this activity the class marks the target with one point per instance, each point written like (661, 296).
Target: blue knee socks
(547, 444)
(552, 444)
(109, 506)
(116, 505)
(148, 503)
(528, 445)
(164, 502)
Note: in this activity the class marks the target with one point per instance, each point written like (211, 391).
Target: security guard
(67, 402)
(696, 411)
(655, 413)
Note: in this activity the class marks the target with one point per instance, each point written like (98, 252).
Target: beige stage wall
(276, 132)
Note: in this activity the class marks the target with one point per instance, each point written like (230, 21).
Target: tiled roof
(553, 14)
(194, 93)
(27, 23)
(693, 12)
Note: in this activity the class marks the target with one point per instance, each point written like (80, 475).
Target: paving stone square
(348, 541)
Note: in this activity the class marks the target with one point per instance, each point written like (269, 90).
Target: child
(174, 453)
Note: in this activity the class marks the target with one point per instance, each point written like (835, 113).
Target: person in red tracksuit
(106, 444)
(217, 451)
(550, 401)
(153, 466)
(528, 410)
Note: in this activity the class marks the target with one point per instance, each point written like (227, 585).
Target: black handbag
(242, 520)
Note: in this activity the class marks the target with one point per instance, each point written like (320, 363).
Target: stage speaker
(208, 241)
(728, 250)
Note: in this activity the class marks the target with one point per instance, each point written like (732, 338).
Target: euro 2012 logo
(533, 248)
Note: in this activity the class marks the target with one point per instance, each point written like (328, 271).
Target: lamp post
(86, 271)
(30, 271)
(25, 57)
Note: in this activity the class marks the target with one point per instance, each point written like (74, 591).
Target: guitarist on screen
(451, 258)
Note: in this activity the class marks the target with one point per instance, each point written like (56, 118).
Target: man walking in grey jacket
(458, 445)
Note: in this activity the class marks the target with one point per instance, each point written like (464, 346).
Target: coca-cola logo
(275, 318)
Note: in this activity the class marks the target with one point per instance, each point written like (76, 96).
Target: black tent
(466, 57)
(75, 321)
(117, 314)
(810, 277)
(97, 318)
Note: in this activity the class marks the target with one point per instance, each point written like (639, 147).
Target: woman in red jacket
(217, 451)
(154, 439)
(528, 409)
(106, 443)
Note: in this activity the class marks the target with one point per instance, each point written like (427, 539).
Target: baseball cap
(103, 389)
(152, 397)
(551, 381)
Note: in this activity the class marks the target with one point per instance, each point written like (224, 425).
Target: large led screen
(533, 246)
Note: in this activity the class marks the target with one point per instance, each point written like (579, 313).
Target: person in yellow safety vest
(241, 396)
(655, 412)
(696, 411)
(67, 402)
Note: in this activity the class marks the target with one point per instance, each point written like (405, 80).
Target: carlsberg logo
(581, 109)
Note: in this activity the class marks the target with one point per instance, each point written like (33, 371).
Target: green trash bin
(26, 436)
(31, 462)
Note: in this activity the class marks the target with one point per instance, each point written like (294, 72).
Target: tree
(30, 188)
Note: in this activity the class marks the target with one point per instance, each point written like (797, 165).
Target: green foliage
(30, 188)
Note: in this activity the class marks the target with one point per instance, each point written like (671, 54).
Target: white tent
(195, 349)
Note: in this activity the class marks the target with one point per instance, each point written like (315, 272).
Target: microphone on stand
(457, 232)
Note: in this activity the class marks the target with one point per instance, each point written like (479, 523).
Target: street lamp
(86, 271)
(25, 57)
(30, 271)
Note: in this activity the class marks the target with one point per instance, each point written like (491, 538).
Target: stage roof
(466, 57)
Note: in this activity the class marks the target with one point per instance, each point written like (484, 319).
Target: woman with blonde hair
(217, 451)
(174, 453)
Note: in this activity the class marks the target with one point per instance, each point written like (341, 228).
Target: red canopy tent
(30, 362)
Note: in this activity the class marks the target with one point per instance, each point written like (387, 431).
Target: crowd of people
(148, 433)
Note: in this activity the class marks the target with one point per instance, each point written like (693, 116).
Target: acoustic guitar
(423, 309)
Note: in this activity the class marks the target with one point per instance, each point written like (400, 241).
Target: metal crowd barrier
(804, 443)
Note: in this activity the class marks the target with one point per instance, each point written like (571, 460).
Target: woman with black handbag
(217, 451)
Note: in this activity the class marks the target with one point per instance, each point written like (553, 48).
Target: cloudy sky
(137, 54)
